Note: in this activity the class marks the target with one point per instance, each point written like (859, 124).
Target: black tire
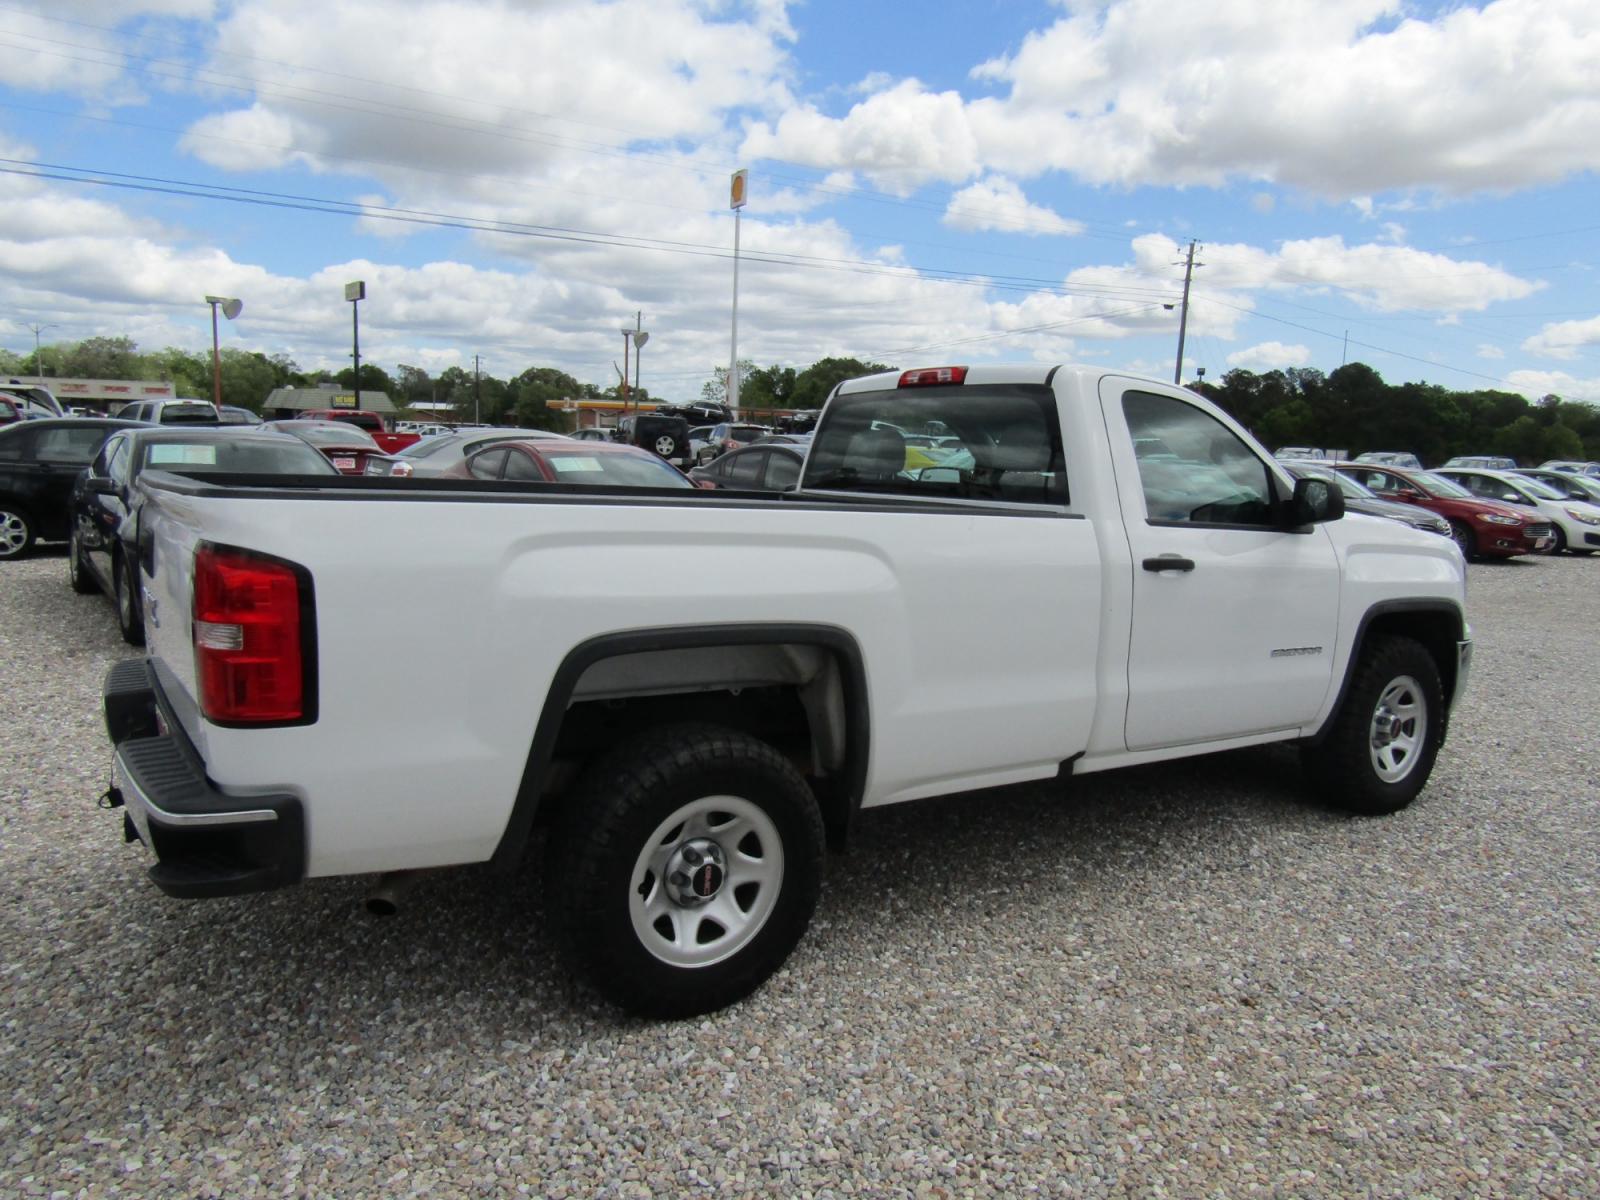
(1461, 535)
(617, 866)
(125, 588)
(16, 530)
(1560, 544)
(1394, 676)
(82, 582)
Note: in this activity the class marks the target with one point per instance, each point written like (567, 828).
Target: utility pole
(38, 363)
(1183, 317)
(477, 391)
(627, 341)
(737, 196)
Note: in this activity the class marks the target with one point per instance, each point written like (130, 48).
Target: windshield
(583, 465)
(235, 457)
(1540, 489)
(1438, 485)
(345, 435)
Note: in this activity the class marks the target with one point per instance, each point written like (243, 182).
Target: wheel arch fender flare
(563, 684)
(1438, 624)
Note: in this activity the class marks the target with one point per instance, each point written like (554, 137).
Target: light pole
(640, 337)
(737, 195)
(231, 308)
(355, 293)
(38, 363)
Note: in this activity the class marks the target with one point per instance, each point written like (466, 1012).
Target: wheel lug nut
(691, 856)
(679, 879)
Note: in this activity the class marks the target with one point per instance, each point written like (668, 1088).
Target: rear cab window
(993, 442)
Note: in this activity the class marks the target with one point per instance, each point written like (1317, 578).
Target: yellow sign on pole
(736, 194)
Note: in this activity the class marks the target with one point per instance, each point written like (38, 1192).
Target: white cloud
(1263, 203)
(1342, 98)
(1270, 356)
(1535, 384)
(996, 203)
(1490, 351)
(1565, 339)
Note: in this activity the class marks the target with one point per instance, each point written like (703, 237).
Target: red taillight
(248, 644)
(929, 376)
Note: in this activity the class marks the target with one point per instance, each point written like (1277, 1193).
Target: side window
(745, 470)
(520, 466)
(71, 446)
(113, 460)
(18, 446)
(1193, 467)
(783, 472)
(487, 465)
(1378, 481)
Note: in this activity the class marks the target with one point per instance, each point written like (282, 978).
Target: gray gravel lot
(1177, 981)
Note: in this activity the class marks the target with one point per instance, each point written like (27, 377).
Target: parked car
(593, 464)
(368, 422)
(170, 412)
(348, 448)
(1390, 458)
(591, 433)
(103, 510)
(700, 412)
(1481, 528)
(766, 467)
(1359, 499)
(1591, 469)
(39, 462)
(233, 415)
(667, 437)
(1576, 522)
(1490, 462)
(730, 435)
(436, 455)
(37, 400)
(1573, 487)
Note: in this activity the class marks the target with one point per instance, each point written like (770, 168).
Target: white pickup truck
(693, 691)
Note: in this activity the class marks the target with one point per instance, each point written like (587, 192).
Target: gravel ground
(1176, 981)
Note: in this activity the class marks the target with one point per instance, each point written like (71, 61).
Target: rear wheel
(1381, 747)
(686, 867)
(1461, 535)
(16, 531)
(76, 575)
(129, 619)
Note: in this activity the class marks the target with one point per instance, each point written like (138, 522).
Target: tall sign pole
(737, 195)
(627, 341)
(355, 293)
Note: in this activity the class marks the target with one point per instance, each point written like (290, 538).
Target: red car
(368, 422)
(348, 448)
(599, 464)
(1481, 528)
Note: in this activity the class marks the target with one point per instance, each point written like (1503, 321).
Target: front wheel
(685, 868)
(129, 619)
(1381, 747)
(1560, 543)
(76, 575)
(1461, 535)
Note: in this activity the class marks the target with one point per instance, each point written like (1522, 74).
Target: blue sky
(1408, 185)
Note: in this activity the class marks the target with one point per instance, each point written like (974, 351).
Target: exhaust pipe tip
(384, 899)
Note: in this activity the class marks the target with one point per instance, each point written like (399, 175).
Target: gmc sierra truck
(689, 694)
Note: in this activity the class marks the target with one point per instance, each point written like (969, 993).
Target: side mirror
(1409, 494)
(102, 485)
(1315, 500)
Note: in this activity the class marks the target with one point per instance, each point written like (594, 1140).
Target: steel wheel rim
(1398, 729)
(672, 923)
(665, 446)
(13, 534)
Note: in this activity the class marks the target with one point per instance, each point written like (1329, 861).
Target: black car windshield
(583, 466)
(237, 457)
(331, 434)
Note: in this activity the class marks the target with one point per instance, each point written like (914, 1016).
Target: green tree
(99, 358)
(812, 385)
(247, 378)
(535, 394)
(373, 379)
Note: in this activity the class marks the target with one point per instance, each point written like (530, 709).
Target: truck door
(1234, 616)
